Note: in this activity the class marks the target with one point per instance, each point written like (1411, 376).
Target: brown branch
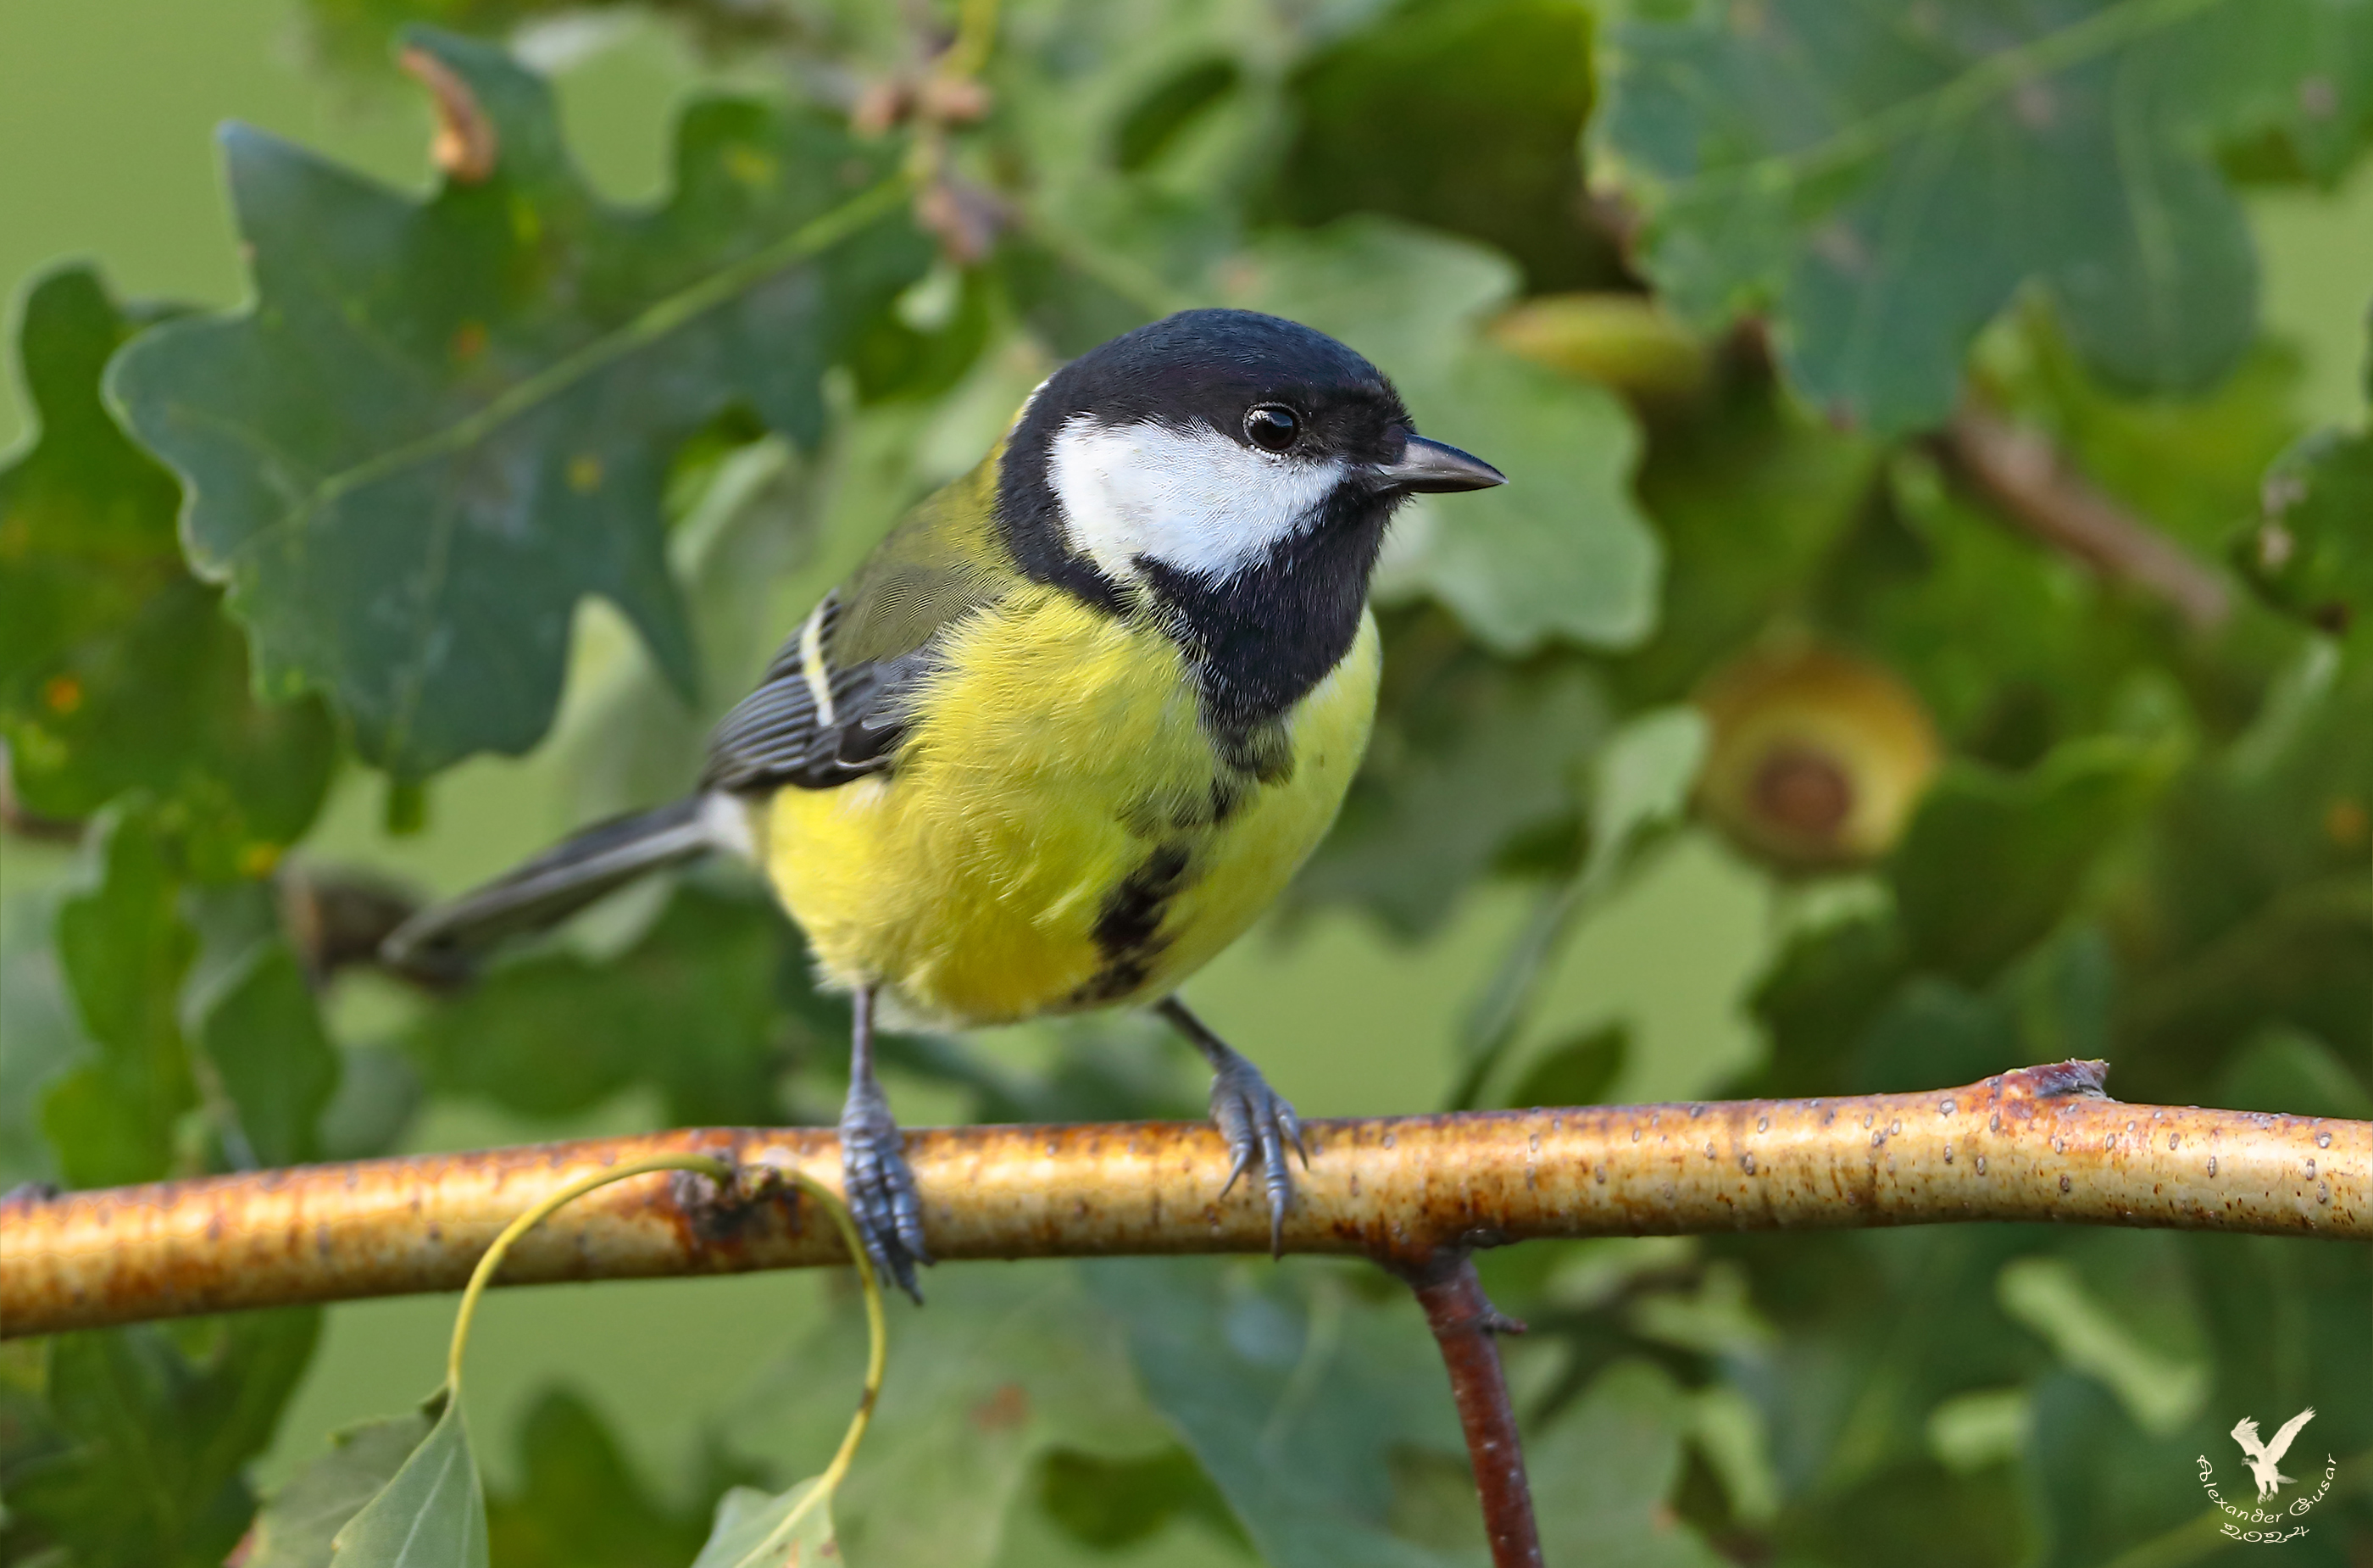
(338, 919)
(2040, 1143)
(1467, 1326)
(466, 146)
(2020, 471)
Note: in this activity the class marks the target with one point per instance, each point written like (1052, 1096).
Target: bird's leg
(873, 1173)
(1255, 1119)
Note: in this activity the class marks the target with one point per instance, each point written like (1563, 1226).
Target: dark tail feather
(553, 885)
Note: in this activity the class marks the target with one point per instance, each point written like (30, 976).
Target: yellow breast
(1059, 832)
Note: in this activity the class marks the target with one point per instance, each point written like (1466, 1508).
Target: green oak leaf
(1464, 117)
(1992, 860)
(157, 1436)
(1066, 306)
(2192, 466)
(1749, 500)
(555, 1031)
(2052, 1004)
(37, 1020)
(2260, 909)
(1818, 996)
(1293, 1392)
(1137, 181)
(2319, 1293)
(2010, 650)
(581, 1505)
(2084, 1449)
(1004, 1367)
(154, 991)
(1561, 552)
(444, 422)
(432, 1512)
(257, 1024)
(2289, 1069)
(1407, 298)
(1602, 1472)
(755, 1530)
(2118, 1308)
(1578, 1071)
(1931, 1031)
(117, 668)
(1882, 179)
(296, 1524)
(1469, 755)
(2311, 554)
(1110, 1504)
(124, 949)
(1639, 795)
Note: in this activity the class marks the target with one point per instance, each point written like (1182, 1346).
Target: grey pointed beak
(1430, 468)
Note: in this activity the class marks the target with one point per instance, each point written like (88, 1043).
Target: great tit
(1069, 728)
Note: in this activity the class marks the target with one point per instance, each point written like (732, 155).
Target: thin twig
(2039, 1143)
(466, 146)
(339, 918)
(2020, 471)
(1467, 1326)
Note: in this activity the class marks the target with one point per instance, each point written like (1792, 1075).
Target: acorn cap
(1816, 758)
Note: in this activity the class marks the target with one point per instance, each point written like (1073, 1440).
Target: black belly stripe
(1129, 928)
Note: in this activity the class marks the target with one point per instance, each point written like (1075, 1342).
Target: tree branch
(1467, 1326)
(2039, 1143)
(2020, 472)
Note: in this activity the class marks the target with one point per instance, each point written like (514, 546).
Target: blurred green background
(107, 116)
(122, 99)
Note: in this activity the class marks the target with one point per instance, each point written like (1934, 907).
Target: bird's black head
(1238, 468)
(1209, 439)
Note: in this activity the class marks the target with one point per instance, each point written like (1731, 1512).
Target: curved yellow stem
(976, 36)
(715, 1169)
(877, 1328)
(877, 1359)
(722, 1174)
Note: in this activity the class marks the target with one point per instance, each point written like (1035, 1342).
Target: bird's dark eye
(1271, 428)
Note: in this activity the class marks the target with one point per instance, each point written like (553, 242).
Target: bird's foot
(881, 1188)
(1259, 1125)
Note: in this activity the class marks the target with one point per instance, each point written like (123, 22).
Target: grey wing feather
(780, 735)
(553, 885)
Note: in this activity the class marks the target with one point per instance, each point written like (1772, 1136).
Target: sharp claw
(903, 1270)
(906, 1215)
(1278, 1185)
(1293, 1125)
(892, 1261)
(1280, 1199)
(1243, 1158)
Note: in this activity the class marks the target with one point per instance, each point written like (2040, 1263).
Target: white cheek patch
(1192, 500)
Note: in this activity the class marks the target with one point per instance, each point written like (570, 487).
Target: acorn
(1816, 759)
(1628, 342)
